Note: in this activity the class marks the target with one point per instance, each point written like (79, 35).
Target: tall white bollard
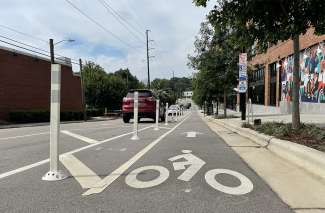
(55, 174)
(166, 116)
(157, 116)
(135, 116)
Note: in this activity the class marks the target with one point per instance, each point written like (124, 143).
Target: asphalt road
(183, 167)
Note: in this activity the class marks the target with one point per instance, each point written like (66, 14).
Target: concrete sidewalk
(301, 190)
(317, 119)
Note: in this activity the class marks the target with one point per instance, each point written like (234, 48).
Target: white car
(173, 109)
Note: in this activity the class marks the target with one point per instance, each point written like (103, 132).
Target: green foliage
(268, 22)
(106, 90)
(170, 90)
(216, 58)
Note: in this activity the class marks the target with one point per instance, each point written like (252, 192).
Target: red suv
(147, 106)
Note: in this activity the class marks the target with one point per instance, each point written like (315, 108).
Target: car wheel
(126, 118)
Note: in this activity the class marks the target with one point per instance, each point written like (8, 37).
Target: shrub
(41, 116)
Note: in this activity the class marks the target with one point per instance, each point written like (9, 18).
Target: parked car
(173, 109)
(188, 105)
(147, 106)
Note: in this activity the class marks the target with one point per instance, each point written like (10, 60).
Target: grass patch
(308, 134)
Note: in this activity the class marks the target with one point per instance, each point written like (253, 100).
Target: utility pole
(83, 100)
(52, 51)
(148, 58)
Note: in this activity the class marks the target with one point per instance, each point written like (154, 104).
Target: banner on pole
(242, 73)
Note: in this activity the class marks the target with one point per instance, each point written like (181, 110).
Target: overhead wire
(22, 33)
(122, 18)
(31, 46)
(111, 11)
(98, 24)
(33, 51)
(135, 14)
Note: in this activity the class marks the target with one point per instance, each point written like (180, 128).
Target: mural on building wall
(312, 75)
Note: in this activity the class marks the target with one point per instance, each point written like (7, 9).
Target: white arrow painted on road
(192, 134)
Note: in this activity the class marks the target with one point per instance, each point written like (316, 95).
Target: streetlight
(54, 174)
(52, 44)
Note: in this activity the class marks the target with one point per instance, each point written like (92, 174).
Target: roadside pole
(166, 116)
(157, 116)
(54, 174)
(135, 117)
(83, 99)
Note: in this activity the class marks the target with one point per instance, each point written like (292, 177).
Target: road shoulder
(301, 190)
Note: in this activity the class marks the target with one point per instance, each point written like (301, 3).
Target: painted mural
(312, 75)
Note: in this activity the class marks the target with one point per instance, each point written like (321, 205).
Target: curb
(307, 158)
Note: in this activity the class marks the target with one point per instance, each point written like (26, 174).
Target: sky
(173, 25)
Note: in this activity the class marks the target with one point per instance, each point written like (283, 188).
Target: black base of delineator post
(243, 106)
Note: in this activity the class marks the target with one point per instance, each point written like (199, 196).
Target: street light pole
(52, 51)
(148, 58)
(83, 100)
(54, 174)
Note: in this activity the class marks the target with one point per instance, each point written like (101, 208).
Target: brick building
(270, 82)
(25, 83)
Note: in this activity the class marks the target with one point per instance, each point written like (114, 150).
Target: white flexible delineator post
(55, 174)
(135, 116)
(166, 116)
(157, 116)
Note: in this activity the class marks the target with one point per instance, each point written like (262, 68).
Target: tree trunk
(296, 84)
(217, 106)
(225, 103)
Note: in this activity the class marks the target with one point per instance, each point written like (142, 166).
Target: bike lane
(153, 185)
(176, 193)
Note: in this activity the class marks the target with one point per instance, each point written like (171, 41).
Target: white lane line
(84, 175)
(162, 127)
(30, 166)
(46, 133)
(23, 136)
(22, 169)
(79, 137)
(102, 185)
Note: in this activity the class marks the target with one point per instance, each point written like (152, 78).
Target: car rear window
(141, 94)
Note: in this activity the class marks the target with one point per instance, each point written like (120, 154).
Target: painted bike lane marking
(102, 185)
(194, 164)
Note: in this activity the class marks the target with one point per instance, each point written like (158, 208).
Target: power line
(122, 18)
(111, 11)
(97, 23)
(33, 51)
(28, 45)
(135, 14)
(22, 33)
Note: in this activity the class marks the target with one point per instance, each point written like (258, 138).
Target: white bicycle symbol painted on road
(194, 165)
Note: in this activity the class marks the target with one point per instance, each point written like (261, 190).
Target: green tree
(271, 21)
(216, 59)
(104, 89)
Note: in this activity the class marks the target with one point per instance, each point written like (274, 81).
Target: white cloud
(173, 26)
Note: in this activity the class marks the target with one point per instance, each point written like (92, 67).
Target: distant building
(25, 83)
(188, 94)
(270, 84)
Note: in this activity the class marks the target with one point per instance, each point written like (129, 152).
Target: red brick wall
(25, 84)
(284, 49)
(280, 51)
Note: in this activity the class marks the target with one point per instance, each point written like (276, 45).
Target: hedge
(41, 116)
